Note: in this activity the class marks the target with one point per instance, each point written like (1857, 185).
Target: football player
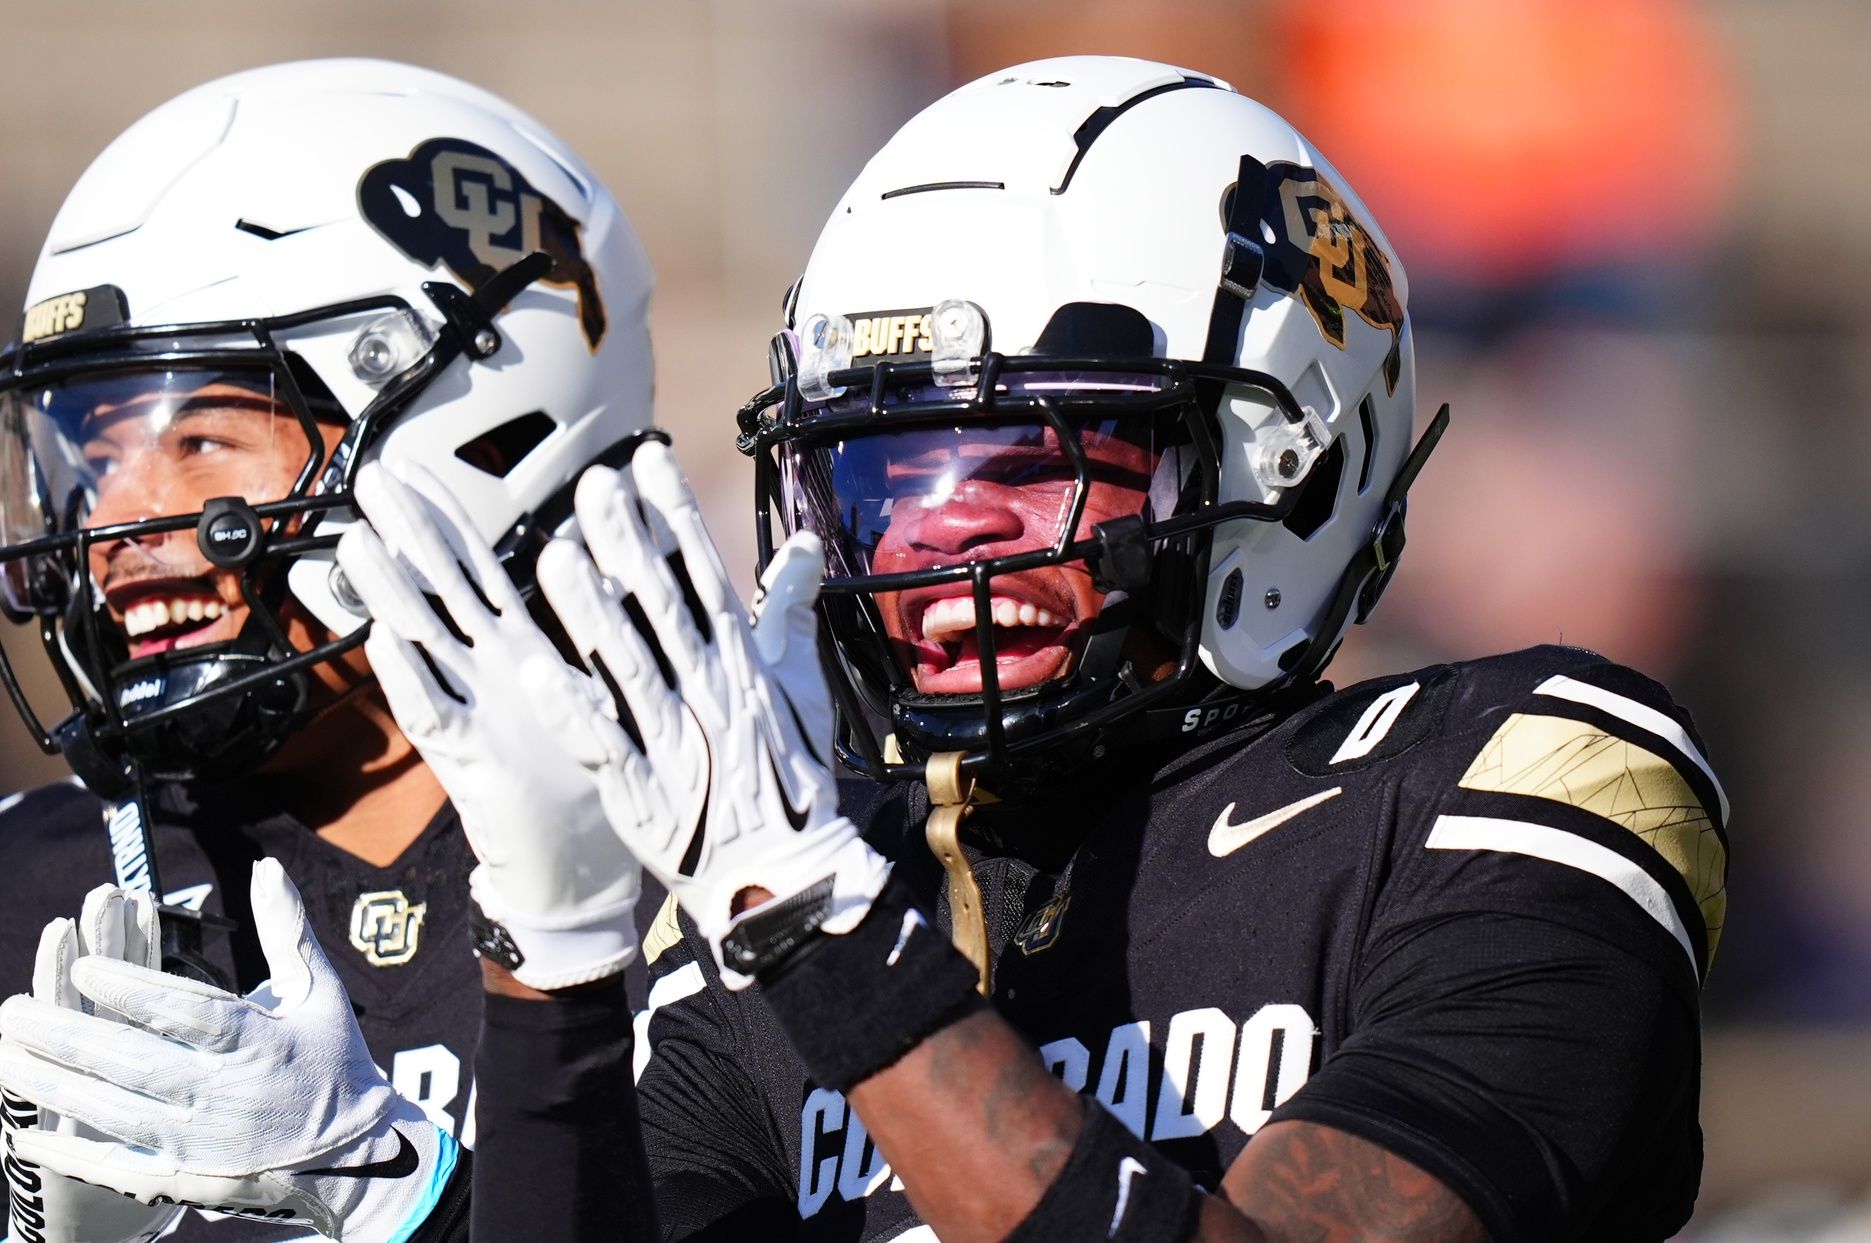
(1071, 405)
(266, 286)
(1098, 395)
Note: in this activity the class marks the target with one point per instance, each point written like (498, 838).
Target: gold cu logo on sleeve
(385, 928)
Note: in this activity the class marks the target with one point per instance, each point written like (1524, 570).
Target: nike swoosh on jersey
(1225, 838)
(402, 1165)
(1127, 1169)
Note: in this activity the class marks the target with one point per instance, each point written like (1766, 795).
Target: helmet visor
(933, 494)
(119, 448)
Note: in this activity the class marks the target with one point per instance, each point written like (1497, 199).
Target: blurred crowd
(1637, 233)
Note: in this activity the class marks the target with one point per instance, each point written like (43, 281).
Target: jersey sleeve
(1524, 1019)
(716, 1157)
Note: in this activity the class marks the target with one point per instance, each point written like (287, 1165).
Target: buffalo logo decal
(459, 204)
(1325, 255)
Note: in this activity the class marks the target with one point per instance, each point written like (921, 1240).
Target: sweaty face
(966, 494)
(154, 445)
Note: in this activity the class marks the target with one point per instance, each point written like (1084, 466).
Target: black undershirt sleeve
(1546, 1075)
(558, 1152)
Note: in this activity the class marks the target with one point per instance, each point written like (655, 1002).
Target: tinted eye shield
(889, 397)
(873, 405)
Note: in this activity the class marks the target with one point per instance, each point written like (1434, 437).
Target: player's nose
(973, 515)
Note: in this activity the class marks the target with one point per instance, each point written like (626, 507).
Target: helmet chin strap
(951, 798)
(1103, 657)
(133, 861)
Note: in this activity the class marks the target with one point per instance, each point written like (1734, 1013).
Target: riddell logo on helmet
(891, 336)
(457, 203)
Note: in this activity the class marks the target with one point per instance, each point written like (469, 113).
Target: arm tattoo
(1301, 1181)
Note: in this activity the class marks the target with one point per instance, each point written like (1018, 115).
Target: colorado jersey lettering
(1483, 951)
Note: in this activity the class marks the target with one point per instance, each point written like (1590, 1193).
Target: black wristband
(1114, 1186)
(854, 1004)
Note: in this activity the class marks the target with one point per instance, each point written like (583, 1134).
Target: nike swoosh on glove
(708, 758)
(217, 1101)
(551, 872)
(49, 1207)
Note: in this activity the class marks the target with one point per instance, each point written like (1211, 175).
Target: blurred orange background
(1631, 228)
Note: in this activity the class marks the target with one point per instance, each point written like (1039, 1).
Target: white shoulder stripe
(671, 988)
(1539, 841)
(1642, 716)
(13, 800)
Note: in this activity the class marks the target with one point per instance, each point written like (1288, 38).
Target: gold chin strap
(951, 798)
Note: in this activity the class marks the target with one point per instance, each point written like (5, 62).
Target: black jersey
(397, 935)
(1463, 913)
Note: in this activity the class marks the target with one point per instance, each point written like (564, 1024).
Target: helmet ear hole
(1318, 493)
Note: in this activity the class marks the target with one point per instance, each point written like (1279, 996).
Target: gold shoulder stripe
(1572, 762)
(664, 932)
(1643, 716)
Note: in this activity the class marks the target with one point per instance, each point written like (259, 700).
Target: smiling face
(961, 495)
(163, 445)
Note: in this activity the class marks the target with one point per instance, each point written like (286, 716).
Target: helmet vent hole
(1081, 329)
(1318, 493)
(499, 450)
(263, 231)
(1367, 418)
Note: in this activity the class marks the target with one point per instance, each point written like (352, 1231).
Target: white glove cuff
(856, 871)
(549, 954)
(858, 876)
(393, 1205)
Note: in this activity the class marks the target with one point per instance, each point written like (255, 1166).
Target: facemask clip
(229, 533)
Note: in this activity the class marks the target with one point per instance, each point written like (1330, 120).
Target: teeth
(956, 615)
(141, 619)
(946, 617)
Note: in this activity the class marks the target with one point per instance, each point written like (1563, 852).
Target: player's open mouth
(1031, 645)
(162, 615)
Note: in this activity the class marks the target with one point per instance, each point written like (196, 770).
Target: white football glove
(114, 923)
(551, 872)
(222, 1103)
(716, 783)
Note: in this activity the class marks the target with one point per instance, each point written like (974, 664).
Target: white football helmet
(1139, 260)
(345, 259)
